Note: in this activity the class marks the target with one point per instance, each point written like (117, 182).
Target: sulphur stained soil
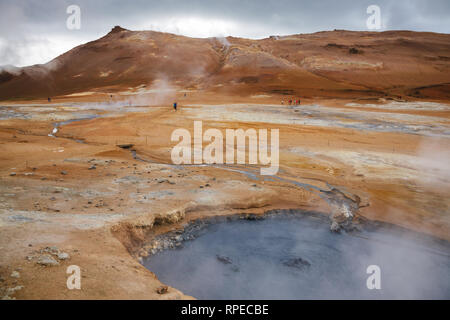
(78, 191)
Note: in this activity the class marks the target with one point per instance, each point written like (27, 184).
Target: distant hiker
(49, 99)
(175, 106)
(290, 102)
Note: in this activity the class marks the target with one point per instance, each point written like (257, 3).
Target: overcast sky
(34, 31)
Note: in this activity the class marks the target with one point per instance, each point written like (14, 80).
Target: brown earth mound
(328, 64)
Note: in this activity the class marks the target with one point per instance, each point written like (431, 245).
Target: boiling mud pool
(297, 257)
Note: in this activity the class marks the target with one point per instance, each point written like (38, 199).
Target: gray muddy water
(295, 256)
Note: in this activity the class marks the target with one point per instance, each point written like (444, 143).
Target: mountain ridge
(335, 63)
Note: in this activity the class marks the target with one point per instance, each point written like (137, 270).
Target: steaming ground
(317, 115)
(77, 190)
(298, 257)
(89, 177)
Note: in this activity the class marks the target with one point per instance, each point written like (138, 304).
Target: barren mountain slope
(329, 64)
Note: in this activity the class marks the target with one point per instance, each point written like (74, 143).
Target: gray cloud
(34, 31)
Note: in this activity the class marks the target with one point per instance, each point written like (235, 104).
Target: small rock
(15, 275)
(46, 260)
(162, 289)
(297, 263)
(12, 174)
(10, 291)
(93, 167)
(335, 227)
(64, 173)
(63, 256)
(224, 259)
(53, 250)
